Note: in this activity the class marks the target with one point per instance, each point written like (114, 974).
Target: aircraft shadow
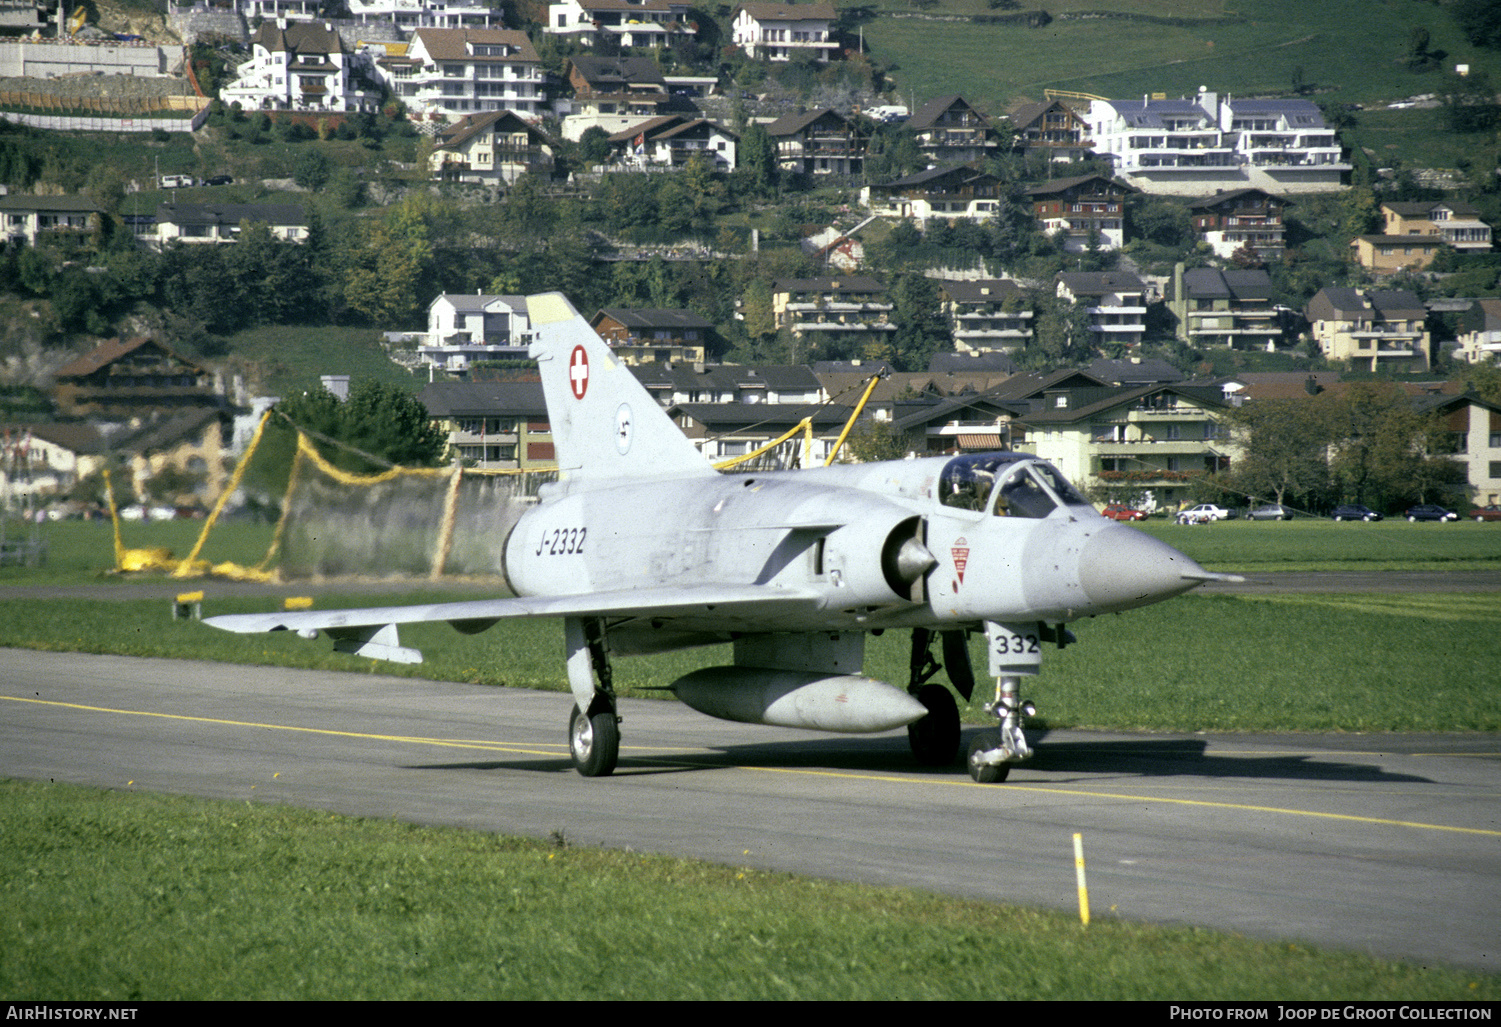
(1145, 757)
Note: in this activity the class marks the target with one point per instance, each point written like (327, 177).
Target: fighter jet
(642, 547)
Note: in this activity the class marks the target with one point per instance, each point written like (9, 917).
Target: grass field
(114, 896)
(1347, 51)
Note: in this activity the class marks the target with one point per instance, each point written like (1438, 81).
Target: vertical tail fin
(604, 423)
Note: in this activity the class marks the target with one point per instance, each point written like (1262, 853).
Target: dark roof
(1135, 372)
(617, 73)
(726, 377)
(72, 204)
(230, 213)
(1098, 283)
(929, 112)
(1230, 195)
(1066, 185)
(466, 128)
(722, 417)
(651, 317)
(110, 350)
(1349, 304)
(1210, 282)
(1085, 403)
(298, 37)
(791, 124)
(484, 399)
(951, 363)
(980, 290)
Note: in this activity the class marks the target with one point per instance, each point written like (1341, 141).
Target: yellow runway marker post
(1079, 873)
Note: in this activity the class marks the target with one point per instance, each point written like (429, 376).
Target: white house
(1198, 146)
(220, 222)
(643, 23)
(491, 149)
(777, 31)
(1116, 302)
(302, 66)
(463, 328)
(454, 72)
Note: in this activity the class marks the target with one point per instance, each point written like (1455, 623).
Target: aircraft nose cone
(1121, 568)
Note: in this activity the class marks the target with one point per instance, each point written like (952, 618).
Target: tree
(377, 419)
(1479, 20)
(1285, 444)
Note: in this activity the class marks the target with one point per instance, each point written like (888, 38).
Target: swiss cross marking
(578, 372)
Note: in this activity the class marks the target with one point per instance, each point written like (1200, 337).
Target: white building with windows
(1198, 146)
(462, 328)
(777, 31)
(454, 72)
(302, 66)
(631, 23)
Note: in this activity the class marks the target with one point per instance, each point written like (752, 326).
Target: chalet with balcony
(1052, 130)
(944, 193)
(463, 328)
(1132, 439)
(988, 315)
(840, 315)
(1116, 301)
(1084, 211)
(673, 140)
(641, 335)
(1242, 219)
(780, 31)
(747, 384)
(629, 23)
(1376, 328)
(491, 149)
(821, 142)
(950, 131)
(1230, 308)
(302, 66)
(134, 380)
(493, 425)
(454, 72)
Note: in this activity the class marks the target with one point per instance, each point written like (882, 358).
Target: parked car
(1269, 512)
(1203, 514)
(1354, 512)
(219, 180)
(1486, 513)
(1117, 512)
(1430, 512)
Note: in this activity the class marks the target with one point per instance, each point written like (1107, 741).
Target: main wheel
(594, 742)
(935, 738)
(984, 773)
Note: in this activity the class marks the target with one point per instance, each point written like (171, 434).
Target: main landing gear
(593, 725)
(935, 737)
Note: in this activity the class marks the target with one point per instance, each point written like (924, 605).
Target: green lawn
(117, 896)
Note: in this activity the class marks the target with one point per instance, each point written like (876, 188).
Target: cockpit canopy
(1006, 485)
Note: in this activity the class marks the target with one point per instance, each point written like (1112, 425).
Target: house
(1051, 130)
(1371, 328)
(493, 425)
(1084, 211)
(1116, 301)
(950, 131)
(1480, 332)
(192, 223)
(630, 23)
(68, 221)
(39, 460)
(1204, 144)
(842, 314)
(673, 140)
(491, 149)
(1241, 219)
(613, 93)
(987, 315)
(302, 66)
(946, 193)
(821, 142)
(778, 31)
(120, 380)
(639, 335)
(723, 431)
(1474, 440)
(462, 329)
(453, 72)
(410, 15)
(1457, 223)
(750, 384)
(968, 423)
(1230, 308)
(1156, 437)
(1395, 252)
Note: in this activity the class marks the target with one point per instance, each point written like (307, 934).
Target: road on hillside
(1385, 844)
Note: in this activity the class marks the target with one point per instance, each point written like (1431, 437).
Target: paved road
(1386, 844)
